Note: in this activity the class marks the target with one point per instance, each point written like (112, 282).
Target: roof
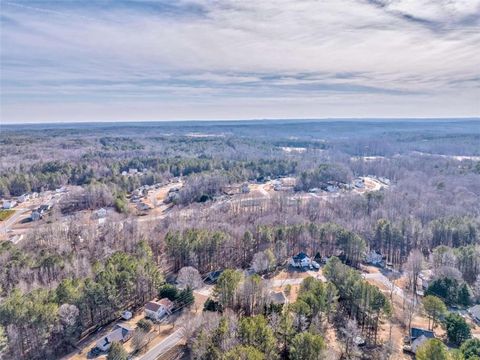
(417, 332)
(300, 256)
(156, 305)
(214, 275)
(475, 311)
(119, 333)
(278, 297)
(153, 306)
(166, 302)
(418, 342)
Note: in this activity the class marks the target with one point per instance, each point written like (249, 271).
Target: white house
(120, 333)
(300, 260)
(23, 198)
(156, 310)
(8, 204)
(359, 183)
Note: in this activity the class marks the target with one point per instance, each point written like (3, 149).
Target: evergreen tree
(457, 328)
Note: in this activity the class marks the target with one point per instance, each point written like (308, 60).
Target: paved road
(173, 339)
(12, 219)
(163, 346)
(386, 281)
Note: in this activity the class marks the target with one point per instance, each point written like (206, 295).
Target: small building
(23, 198)
(213, 276)
(418, 342)
(278, 298)
(120, 333)
(332, 188)
(245, 189)
(415, 333)
(300, 260)
(43, 208)
(359, 183)
(156, 310)
(474, 312)
(9, 204)
(35, 216)
(132, 171)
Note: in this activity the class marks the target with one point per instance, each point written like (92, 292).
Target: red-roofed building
(156, 310)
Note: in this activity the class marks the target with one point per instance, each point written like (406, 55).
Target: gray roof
(278, 297)
(475, 311)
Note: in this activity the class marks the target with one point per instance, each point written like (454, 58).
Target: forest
(71, 275)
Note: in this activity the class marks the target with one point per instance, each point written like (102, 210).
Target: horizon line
(460, 118)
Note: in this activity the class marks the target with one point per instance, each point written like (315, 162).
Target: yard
(5, 214)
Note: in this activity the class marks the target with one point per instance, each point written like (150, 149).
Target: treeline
(47, 323)
(54, 174)
(213, 250)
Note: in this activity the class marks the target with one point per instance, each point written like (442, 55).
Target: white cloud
(379, 54)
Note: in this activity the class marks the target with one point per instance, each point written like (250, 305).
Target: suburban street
(163, 346)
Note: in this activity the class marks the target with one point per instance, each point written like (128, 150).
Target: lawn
(5, 214)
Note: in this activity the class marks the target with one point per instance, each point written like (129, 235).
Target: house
(425, 278)
(332, 188)
(43, 208)
(415, 333)
(278, 297)
(374, 258)
(120, 333)
(474, 312)
(156, 310)
(35, 216)
(101, 213)
(418, 342)
(244, 189)
(300, 260)
(9, 204)
(359, 183)
(142, 206)
(213, 276)
(23, 198)
(132, 171)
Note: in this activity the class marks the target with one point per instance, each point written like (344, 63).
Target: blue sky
(164, 60)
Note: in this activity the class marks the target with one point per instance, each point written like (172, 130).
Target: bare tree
(414, 267)
(188, 276)
(263, 261)
(351, 335)
(140, 339)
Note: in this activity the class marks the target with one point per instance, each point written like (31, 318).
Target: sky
(72, 60)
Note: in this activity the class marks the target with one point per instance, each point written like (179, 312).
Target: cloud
(239, 59)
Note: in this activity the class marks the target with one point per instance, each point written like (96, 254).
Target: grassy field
(5, 214)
